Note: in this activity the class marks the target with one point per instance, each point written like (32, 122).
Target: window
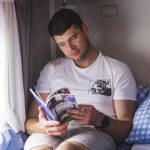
(12, 105)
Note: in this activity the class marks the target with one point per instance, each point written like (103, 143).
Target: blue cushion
(9, 140)
(142, 92)
(140, 132)
(124, 146)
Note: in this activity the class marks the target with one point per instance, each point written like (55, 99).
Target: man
(104, 88)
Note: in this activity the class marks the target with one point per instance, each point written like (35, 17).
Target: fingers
(86, 107)
(83, 109)
(56, 130)
(51, 123)
(84, 115)
(80, 115)
(76, 111)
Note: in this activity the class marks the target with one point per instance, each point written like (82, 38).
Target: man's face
(74, 43)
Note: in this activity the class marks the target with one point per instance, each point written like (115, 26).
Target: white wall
(125, 37)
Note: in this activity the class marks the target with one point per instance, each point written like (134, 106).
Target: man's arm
(118, 128)
(32, 123)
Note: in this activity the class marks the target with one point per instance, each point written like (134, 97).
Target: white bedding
(141, 147)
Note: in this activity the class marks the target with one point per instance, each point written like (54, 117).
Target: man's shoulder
(113, 62)
(57, 62)
(54, 65)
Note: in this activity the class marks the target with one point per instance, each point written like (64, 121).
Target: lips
(75, 53)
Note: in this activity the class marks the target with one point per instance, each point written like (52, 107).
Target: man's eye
(61, 44)
(73, 37)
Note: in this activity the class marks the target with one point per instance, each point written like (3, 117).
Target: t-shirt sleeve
(43, 83)
(125, 85)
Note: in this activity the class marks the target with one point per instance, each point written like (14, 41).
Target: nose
(71, 46)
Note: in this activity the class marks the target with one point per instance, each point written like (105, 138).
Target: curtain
(12, 103)
(24, 14)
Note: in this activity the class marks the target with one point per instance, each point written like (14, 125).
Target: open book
(56, 104)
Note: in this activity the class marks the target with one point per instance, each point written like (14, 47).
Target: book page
(60, 101)
(59, 91)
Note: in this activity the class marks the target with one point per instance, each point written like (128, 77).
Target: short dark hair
(63, 20)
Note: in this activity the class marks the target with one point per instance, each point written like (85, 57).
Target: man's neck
(91, 57)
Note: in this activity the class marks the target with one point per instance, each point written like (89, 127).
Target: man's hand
(51, 128)
(87, 114)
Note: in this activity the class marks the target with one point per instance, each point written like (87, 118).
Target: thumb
(41, 113)
(42, 118)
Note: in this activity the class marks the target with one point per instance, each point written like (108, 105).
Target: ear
(85, 28)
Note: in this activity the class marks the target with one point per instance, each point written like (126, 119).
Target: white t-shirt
(99, 84)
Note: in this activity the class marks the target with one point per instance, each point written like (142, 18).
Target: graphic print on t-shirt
(101, 87)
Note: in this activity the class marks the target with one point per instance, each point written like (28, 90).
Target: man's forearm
(118, 130)
(32, 125)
